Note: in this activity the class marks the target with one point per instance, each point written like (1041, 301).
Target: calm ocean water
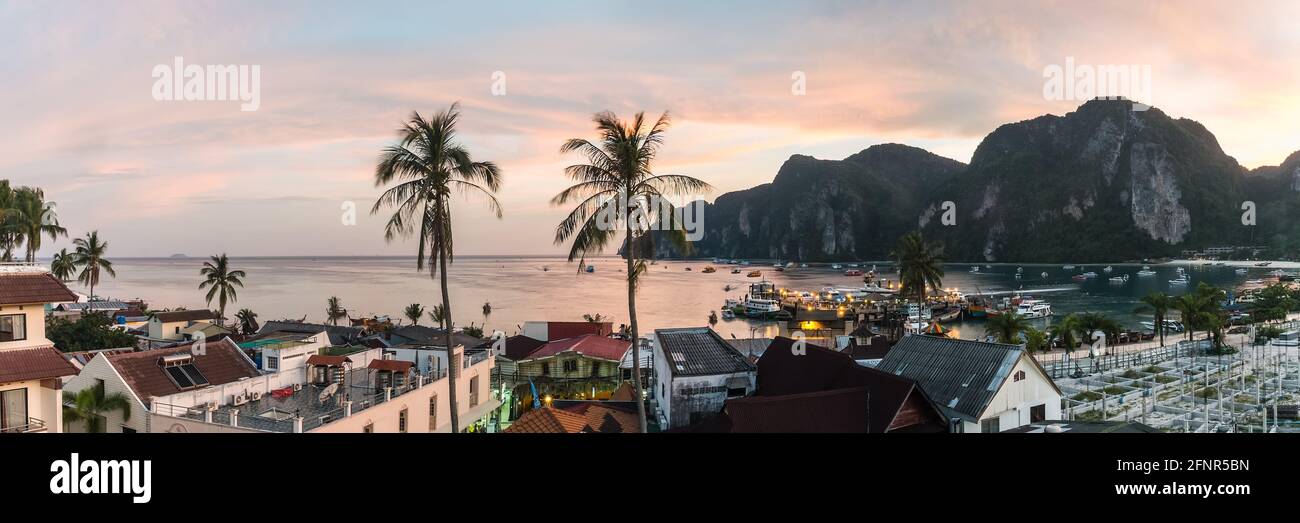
(519, 290)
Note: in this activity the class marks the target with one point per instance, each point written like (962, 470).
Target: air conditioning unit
(241, 399)
(297, 387)
(211, 405)
(257, 395)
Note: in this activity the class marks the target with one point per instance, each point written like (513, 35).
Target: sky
(159, 177)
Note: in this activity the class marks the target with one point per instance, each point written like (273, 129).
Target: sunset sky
(158, 177)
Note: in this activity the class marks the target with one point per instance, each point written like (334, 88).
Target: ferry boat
(1170, 326)
(1034, 309)
(1288, 339)
(761, 308)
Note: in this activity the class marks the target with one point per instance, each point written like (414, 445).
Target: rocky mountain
(1102, 183)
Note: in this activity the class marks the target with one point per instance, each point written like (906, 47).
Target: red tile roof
(33, 364)
(602, 417)
(588, 345)
(333, 361)
(833, 411)
(548, 420)
(177, 316)
(624, 392)
(35, 287)
(221, 363)
(391, 365)
(558, 330)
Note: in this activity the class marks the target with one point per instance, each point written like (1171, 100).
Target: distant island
(178, 256)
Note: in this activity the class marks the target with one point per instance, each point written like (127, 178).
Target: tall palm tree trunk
(631, 313)
(452, 364)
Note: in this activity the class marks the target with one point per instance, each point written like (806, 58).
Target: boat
(761, 308)
(789, 265)
(1170, 326)
(688, 269)
(1044, 274)
(948, 314)
(836, 266)
(591, 268)
(728, 314)
(1263, 264)
(1146, 271)
(780, 268)
(974, 269)
(803, 266)
(735, 270)
(853, 272)
(1180, 280)
(1108, 269)
(1288, 339)
(1119, 279)
(754, 274)
(1068, 267)
(1242, 270)
(1033, 309)
(1079, 277)
(730, 304)
(708, 270)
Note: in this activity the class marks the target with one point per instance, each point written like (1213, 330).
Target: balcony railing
(33, 425)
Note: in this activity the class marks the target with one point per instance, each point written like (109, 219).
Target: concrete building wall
(34, 319)
(99, 369)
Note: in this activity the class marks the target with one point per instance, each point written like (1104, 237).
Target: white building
(696, 371)
(981, 387)
(31, 397)
(169, 326)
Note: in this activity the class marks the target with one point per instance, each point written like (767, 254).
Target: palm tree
(90, 404)
(1158, 304)
(1006, 328)
(64, 265)
(1089, 323)
(438, 314)
(414, 312)
(1064, 331)
(89, 256)
(614, 190)
(429, 164)
(247, 321)
(593, 318)
(35, 218)
(919, 264)
(9, 221)
(1036, 340)
(221, 282)
(334, 310)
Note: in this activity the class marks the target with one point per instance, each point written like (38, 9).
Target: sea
(524, 288)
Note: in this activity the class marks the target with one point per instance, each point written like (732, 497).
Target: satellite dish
(329, 391)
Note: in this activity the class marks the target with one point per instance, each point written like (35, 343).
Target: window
(570, 366)
(401, 421)
(1020, 375)
(272, 363)
(433, 412)
(989, 426)
(595, 368)
(546, 369)
(178, 330)
(13, 410)
(13, 327)
(1037, 413)
(736, 392)
(128, 430)
(473, 392)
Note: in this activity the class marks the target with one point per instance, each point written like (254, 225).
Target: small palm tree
(64, 265)
(90, 404)
(429, 165)
(221, 281)
(414, 312)
(1006, 327)
(334, 310)
(614, 190)
(439, 316)
(1087, 324)
(1036, 340)
(593, 318)
(1063, 331)
(1156, 303)
(36, 218)
(247, 321)
(89, 256)
(919, 264)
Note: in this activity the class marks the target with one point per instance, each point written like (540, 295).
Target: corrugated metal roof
(961, 375)
(700, 352)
